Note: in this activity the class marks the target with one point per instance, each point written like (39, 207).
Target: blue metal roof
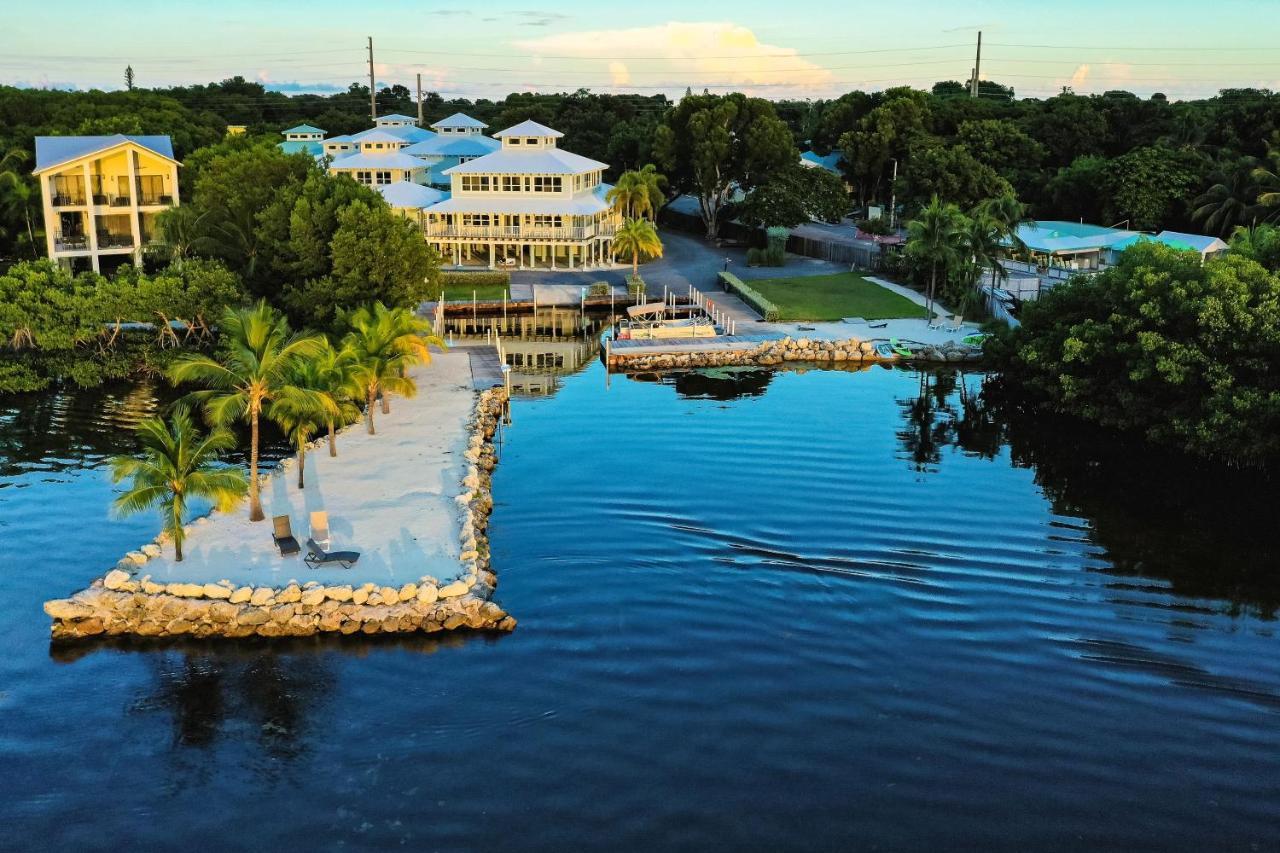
(473, 145)
(459, 120)
(410, 195)
(303, 128)
(831, 162)
(408, 134)
(395, 117)
(307, 146)
(55, 150)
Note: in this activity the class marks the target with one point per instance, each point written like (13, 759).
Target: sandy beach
(389, 496)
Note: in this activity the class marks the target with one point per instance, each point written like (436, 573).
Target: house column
(553, 255)
(91, 218)
(51, 219)
(135, 226)
(491, 261)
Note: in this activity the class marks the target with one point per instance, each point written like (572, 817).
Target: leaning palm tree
(259, 355)
(177, 464)
(936, 239)
(636, 237)
(185, 232)
(336, 376)
(384, 343)
(983, 241)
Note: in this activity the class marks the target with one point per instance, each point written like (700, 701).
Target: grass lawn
(483, 292)
(832, 297)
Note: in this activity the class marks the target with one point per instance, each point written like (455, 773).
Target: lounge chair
(317, 556)
(283, 535)
(938, 321)
(320, 528)
(957, 323)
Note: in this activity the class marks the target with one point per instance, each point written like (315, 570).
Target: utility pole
(893, 198)
(419, 100)
(373, 92)
(977, 69)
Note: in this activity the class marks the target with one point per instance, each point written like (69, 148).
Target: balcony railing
(114, 241)
(155, 198)
(121, 201)
(515, 232)
(64, 200)
(70, 242)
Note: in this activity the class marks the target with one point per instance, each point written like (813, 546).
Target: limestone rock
(65, 608)
(241, 595)
(151, 549)
(185, 590)
(360, 596)
(213, 590)
(408, 592)
(390, 595)
(313, 596)
(339, 593)
(453, 590)
(115, 579)
(427, 594)
(262, 595)
(289, 594)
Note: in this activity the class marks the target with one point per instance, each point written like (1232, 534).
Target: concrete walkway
(389, 496)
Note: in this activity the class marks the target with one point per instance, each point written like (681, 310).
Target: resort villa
(1056, 250)
(527, 203)
(303, 138)
(456, 140)
(377, 160)
(102, 194)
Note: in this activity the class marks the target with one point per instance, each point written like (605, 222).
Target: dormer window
(532, 140)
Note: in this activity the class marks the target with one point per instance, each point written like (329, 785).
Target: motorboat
(649, 322)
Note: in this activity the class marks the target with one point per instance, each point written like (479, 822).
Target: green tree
(950, 172)
(18, 194)
(1149, 186)
(177, 464)
(1260, 243)
(1073, 191)
(637, 237)
(259, 356)
(884, 134)
(1161, 344)
(712, 146)
(1230, 201)
(793, 195)
(302, 416)
(936, 238)
(383, 344)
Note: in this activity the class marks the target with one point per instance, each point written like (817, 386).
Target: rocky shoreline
(772, 353)
(124, 603)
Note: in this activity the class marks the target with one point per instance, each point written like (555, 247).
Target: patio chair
(283, 536)
(939, 321)
(320, 528)
(317, 556)
(957, 324)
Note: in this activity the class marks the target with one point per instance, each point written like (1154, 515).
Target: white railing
(516, 232)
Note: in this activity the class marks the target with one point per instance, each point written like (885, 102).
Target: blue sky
(811, 49)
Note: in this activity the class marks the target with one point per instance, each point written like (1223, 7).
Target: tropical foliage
(177, 464)
(258, 360)
(383, 344)
(1179, 351)
(636, 237)
(793, 195)
(638, 193)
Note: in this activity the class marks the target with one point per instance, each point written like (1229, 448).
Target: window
(532, 140)
(547, 221)
(511, 184)
(475, 183)
(476, 219)
(382, 177)
(546, 183)
(364, 177)
(515, 140)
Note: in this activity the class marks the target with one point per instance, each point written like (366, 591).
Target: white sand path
(389, 496)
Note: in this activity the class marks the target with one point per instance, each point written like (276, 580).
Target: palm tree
(636, 237)
(638, 192)
(936, 238)
(1230, 201)
(177, 463)
(384, 343)
(302, 417)
(1004, 214)
(259, 357)
(983, 240)
(336, 376)
(184, 232)
(16, 192)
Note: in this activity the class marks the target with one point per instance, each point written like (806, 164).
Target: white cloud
(697, 54)
(1080, 77)
(618, 74)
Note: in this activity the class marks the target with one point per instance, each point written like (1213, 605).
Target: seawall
(774, 352)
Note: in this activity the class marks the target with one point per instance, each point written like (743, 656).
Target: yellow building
(102, 194)
(378, 161)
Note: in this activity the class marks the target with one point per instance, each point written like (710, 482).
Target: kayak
(900, 348)
(977, 339)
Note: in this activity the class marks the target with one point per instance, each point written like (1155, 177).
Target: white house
(527, 203)
(456, 140)
(377, 159)
(304, 138)
(102, 195)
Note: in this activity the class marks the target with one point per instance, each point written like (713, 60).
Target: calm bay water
(819, 610)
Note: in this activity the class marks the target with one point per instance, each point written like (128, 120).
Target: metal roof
(303, 128)
(395, 117)
(582, 204)
(410, 195)
(831, 162)
(1057, 237)
(532, 161)
(306, 146)
(529, 127)
(54, 151)
(1200, 242)
(473, 145)
(408, 134)
(459, 120)
(392, 160)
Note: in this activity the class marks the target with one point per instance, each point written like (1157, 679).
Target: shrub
(879, 225)
(636, 286)
(731, 283)
(755, 257)
(462, 279)
(774, 256)
(599, 288)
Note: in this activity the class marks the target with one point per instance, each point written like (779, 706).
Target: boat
(884, 350)
(977, 339)
(900, 348)
(649, 322)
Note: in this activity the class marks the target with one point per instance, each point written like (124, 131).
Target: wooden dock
(667, 346)
(486, 365)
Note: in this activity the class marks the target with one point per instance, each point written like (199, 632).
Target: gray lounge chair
(317, 556)
(283, 536)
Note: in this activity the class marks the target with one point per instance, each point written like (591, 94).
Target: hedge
(455, 278)
(766, 309)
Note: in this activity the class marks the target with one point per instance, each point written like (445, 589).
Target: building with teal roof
(303, 139)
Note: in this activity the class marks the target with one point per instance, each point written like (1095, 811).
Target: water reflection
(714, 383)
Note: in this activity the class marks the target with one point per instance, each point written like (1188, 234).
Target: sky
(814, 49)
